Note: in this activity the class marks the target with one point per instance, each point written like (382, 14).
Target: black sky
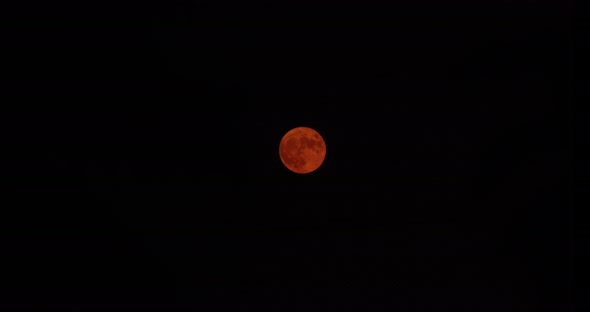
(447, 184)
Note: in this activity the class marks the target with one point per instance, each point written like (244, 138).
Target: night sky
(447, 183)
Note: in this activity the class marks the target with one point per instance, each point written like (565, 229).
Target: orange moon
(302, 150)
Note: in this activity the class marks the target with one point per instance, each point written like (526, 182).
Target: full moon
(302, 150)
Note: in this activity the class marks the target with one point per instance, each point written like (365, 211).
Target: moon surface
(302, 150)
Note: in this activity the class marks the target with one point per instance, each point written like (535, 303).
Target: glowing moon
(302, 150)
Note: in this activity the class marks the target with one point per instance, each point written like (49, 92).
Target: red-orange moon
(302, 150)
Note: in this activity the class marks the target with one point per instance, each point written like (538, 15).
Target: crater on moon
(302, 150)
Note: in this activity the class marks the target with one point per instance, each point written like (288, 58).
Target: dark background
(446, 185)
